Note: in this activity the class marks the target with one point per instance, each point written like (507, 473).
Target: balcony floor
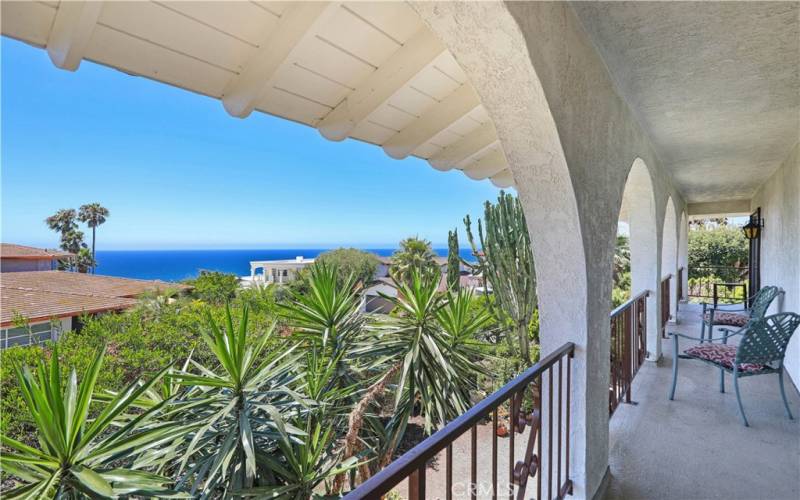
(696, 447)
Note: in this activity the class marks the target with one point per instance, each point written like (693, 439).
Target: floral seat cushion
(727, 318)
(721, 354)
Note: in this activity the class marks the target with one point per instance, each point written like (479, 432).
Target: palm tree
(62, 221)
(84, 260)
(93, 214)
(415, 254)
(622, 257)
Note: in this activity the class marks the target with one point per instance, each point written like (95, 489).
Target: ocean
(177, 265)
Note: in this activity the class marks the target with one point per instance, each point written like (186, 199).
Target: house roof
(440, 260)
(40, 295)
(39, 305)
(13, 251)
(84, 284)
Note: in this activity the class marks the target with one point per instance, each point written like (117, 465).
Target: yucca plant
(465, 324)
(305, 464)
(302, 463)
(431, 341)
(328, 315)
(79, 456)
(241, 406)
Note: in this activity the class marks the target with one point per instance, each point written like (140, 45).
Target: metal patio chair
(760, 352)
(729, 315)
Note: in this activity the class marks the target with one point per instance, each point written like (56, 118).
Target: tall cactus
(506, 262)
(453, 261)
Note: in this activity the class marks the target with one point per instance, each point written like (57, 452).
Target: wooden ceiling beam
(490, 164)
(439, 117)
(504, 179)
(297, 21)
(71, 32)
(462, 151)
(377, 88)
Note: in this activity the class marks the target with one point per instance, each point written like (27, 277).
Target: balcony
(696, 445)
(596, 112)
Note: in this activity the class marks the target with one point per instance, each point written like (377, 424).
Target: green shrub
(214, 287)
(359, 264)
(14, 419)
(138, 344)
(722, 246)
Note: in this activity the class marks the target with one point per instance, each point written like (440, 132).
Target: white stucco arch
(669, 254)
(570, 142)
(485, 34)
(639, 211)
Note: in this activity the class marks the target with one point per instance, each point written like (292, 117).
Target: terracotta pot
(502, 430)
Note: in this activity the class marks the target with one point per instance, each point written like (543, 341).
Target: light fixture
(752, 229)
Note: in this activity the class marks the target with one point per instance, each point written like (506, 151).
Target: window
(38, 333)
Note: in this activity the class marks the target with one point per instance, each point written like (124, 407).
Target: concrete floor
(696, 447)
(436, 473)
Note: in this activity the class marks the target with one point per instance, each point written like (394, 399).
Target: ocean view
(177, 265)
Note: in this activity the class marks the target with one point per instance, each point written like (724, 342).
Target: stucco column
(683, 254)
(645, 273)
(669, 255)
(640, 214)
(487, 42)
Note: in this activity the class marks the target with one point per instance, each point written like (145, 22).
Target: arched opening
(486, 41)
(669, 256)
(638, 217)
(683, 256)
(369, 96)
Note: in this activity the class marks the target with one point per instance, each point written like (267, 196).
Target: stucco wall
(779, 199)
(17, 265)
(570, 141)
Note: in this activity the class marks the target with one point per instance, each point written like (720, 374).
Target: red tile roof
(41, 305)
(12, 251)
(41, 295)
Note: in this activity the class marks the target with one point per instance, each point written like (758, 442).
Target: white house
(275, 271)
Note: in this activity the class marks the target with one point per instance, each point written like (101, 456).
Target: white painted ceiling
(715, 84)
(367, 70)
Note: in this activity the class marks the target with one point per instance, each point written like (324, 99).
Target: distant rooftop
(41, 295)
(13, 251)
(299, 260)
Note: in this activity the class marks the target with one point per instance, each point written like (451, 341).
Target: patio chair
(729, 315)
(760, 352)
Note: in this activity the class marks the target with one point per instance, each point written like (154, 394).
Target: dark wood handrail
(628, 303)
(414, 459)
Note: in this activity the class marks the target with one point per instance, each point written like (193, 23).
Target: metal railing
(523, 398)
(665, 305)
(628, 348)
(718, 283)
(728, 293)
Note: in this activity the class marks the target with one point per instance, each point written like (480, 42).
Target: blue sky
(177, 172)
